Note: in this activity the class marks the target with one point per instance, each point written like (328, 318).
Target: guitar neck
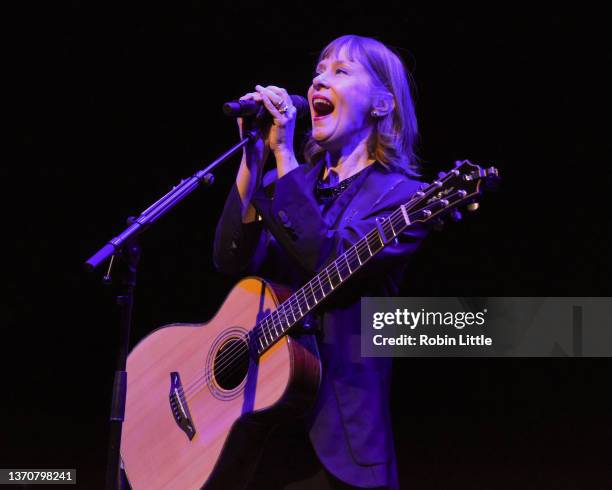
(277, 323)
(451, 189)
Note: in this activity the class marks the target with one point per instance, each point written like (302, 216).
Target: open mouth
(322, 106)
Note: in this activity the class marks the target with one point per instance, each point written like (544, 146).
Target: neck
(349, 159)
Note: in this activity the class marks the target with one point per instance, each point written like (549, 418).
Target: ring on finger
(283, 109)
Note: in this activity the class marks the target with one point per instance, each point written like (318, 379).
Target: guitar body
(199, 406)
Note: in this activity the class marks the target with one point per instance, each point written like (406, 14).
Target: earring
(374, 113)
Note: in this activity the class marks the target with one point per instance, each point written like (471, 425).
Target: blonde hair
(394, 136)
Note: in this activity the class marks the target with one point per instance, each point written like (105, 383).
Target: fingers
(281, 93)
(249, 96)
(252, 96)
(277, 95)
(271, 92)
(291, 111)
(277, 98)
(268, 100)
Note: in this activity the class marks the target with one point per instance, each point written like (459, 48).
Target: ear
(382, 104)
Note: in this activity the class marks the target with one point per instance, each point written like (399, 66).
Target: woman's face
(340, 99)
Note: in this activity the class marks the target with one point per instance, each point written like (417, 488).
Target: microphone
(244, 108)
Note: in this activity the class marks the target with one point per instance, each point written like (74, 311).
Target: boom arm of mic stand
(163, 205)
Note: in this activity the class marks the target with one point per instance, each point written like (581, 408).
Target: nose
(319, 81)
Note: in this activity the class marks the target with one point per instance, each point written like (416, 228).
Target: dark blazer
(350, 426)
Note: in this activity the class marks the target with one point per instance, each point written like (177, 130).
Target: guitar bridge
(179, 407)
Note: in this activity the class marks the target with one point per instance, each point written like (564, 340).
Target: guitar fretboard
(438, 197)
(298, 305)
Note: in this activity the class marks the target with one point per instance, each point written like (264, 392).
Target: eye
(341, 70)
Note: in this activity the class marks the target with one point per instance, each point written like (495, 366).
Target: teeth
(322, 107)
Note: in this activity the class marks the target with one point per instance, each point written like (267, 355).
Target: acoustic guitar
(201, 398)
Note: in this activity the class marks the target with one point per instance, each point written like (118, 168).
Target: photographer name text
(419, 319)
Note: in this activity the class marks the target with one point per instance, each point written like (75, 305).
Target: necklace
(326, 193)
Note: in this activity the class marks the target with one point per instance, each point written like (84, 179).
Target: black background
(114, 104)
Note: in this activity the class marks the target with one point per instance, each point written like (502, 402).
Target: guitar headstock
(460, 186)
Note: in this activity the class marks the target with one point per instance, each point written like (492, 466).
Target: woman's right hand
(256, 151)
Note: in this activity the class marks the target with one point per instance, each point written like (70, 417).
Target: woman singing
(292, 222)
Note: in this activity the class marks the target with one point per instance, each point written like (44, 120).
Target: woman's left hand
(278, 103)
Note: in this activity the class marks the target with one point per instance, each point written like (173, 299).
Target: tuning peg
(473, 206)
(455, 215)
(457, 163)
(441, 175)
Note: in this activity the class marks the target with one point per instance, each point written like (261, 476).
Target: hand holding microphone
(245, 107)
(270, 103)
(263, 104)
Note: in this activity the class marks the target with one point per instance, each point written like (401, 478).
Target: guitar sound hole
(231, 363)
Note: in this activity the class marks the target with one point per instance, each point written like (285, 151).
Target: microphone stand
(124, 248)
